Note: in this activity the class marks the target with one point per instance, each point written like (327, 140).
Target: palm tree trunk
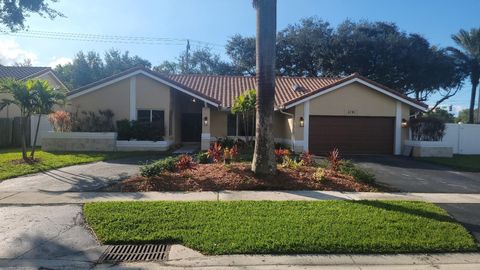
(263, 157)
(472, 102)
(32, 154)
(23, 128)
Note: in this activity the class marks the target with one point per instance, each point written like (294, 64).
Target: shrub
(143, 131)
(427, 128)
(307, 159)
(93, 122)
(215, 152)
(185, 162)
(61, 121)
(319, 175)
(348, 168)
(158, 167)
(226, 142)
(334, 159)
(203, 158)
(282, 146)
(281, 153)
(291, 163)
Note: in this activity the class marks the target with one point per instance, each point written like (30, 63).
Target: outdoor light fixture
(302, 122)
(205, 121)
(194, 100)
(404, 123)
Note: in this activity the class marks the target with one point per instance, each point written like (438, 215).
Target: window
(150, 116)
(143, 116)
(234, 121)
(231, 124)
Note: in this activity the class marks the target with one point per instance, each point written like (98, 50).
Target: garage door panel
(351, 135)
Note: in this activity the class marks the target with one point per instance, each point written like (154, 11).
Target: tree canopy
(14, 13)
(90, 67)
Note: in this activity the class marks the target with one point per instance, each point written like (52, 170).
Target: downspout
(280, 109)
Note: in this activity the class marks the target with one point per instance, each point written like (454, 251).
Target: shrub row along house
(353, 113)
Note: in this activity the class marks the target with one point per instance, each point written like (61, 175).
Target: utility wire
(108, 38)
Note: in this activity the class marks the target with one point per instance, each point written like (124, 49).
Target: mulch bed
(238, 176)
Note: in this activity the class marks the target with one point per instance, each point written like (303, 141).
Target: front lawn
(469, 163)
(12, 166)
(282, 227)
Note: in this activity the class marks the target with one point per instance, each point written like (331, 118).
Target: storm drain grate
(133, 253)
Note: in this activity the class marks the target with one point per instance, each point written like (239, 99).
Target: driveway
(86, 177)
(409, 175)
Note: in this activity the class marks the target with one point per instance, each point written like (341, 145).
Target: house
(355, 114)
(26, 73)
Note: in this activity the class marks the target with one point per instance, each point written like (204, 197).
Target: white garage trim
(306, 125)
(398, 129)
(133, 98)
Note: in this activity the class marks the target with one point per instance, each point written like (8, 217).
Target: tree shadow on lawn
(408, 211)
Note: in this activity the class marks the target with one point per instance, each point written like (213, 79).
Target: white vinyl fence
(44, 127)
(464, 138)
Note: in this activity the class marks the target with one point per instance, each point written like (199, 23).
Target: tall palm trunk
(23, 128)
(474, 77)
(264, 158)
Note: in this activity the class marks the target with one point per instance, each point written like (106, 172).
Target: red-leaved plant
(280, 154)
(61, 121)
(215, 153)
(307, 158)
(334, 159)
(185, 162)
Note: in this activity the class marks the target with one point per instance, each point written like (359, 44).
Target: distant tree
(463, 116)
(241, 51)
(90, 67)
(200, 61)
(468, 59)
(13, 13)
(443, 115)
(303, 49)
(26, 63)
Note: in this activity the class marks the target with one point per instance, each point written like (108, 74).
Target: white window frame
(151, 113)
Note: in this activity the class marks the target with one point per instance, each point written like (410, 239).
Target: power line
(109, 38)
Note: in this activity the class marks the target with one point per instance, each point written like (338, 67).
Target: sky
(215, 21)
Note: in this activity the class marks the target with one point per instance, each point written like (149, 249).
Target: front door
(191, 127)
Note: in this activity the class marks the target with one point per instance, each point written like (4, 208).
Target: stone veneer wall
(79, 141)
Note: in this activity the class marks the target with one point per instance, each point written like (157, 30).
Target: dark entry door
(191, 127)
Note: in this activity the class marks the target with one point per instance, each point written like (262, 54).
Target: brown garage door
(351, 135)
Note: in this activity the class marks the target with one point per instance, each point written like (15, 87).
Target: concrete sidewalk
(52, 198)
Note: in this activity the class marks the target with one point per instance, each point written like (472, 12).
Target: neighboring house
(25, 73)
(355, 114)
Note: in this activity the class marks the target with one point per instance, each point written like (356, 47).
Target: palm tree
(469, 61)
(22, 95)
(45, 98)
(244, 105)
(263, 156)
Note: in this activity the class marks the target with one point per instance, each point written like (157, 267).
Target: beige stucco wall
(115, 97)
(52, 81)
(218, 123)
(353, 100)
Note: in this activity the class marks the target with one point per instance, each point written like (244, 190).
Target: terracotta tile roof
(20, 73)
(222, 90)
(226, 88)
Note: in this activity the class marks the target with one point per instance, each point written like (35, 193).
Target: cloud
(11, 53)
(59, 61)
